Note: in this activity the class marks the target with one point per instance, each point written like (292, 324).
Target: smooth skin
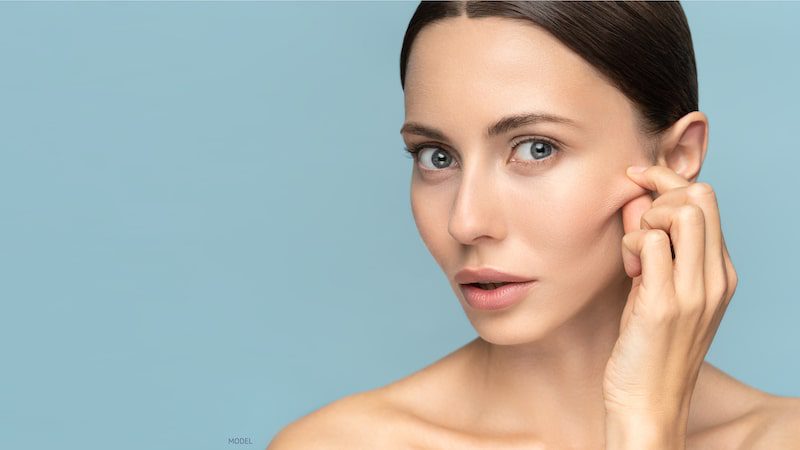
(607, 349)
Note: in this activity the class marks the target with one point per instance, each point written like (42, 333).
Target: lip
(479, 274)
(494, 299)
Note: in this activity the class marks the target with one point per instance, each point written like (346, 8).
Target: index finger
(658, 179)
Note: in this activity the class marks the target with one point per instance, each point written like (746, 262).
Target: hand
(675, 305)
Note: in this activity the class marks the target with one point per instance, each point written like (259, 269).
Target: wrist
(644, 432)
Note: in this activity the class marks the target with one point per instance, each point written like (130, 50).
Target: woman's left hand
(675, 305)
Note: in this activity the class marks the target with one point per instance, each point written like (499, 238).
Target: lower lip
(491, 299)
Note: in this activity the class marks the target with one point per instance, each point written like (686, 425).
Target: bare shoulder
(386, 417)
(730, 414)
(352, 422)
(777, 425)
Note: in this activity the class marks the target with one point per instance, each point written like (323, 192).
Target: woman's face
(547, 209)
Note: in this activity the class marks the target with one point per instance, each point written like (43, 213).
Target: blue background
(206, 230)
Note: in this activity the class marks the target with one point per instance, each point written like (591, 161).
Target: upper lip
(487, 275)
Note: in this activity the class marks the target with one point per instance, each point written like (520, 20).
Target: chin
(518, 324)
(504, 337)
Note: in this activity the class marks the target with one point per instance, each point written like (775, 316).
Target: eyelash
(413, 151)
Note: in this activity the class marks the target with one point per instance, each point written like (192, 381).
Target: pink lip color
(499, 298)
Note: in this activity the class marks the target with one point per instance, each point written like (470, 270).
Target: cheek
(430, 213)
(571, 221)
(555, 220)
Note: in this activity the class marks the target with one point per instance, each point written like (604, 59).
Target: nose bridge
(476, 210)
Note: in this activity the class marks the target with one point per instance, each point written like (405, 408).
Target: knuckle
(717, 292)
(628, 239)
(699, 189)
(733, 281)
(690, 213)
(655, 237)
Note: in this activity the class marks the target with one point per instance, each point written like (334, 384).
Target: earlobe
(684, 149)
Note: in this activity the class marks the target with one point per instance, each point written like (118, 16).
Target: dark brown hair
(643, 48)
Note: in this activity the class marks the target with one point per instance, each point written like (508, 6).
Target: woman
(607, 286)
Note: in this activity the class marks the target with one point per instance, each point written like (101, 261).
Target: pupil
(537, 148)
(440, 159)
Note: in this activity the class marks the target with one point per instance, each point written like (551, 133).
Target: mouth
(495, 295)
(488, 278)
(489, 286)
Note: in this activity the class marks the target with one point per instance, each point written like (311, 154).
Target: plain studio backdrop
(206, 227)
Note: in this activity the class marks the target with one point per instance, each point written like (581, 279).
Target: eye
(439, 157)
(536, 150)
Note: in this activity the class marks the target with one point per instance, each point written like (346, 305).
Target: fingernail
(636, 169)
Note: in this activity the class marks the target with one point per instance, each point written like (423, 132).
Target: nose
(476, 213)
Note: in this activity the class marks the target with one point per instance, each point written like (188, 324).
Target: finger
(731, 277)
(717, 262)
(633, 210)
(659, 179)
(666, 181)
(676, 196)
(703, 195)
(646, 252)
(685, 226)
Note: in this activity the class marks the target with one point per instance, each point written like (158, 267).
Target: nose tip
(475, 214)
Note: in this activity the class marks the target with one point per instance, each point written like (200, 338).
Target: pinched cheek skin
(598, 207)
(595, 224)
(565, 213)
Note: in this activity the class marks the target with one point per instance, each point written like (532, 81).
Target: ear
(683, 147)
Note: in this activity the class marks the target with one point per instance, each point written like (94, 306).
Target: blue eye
(439, 157)
(540, 152)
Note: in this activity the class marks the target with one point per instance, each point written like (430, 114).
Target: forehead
(471, 71)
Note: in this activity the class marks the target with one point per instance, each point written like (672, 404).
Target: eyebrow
(503, 125)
